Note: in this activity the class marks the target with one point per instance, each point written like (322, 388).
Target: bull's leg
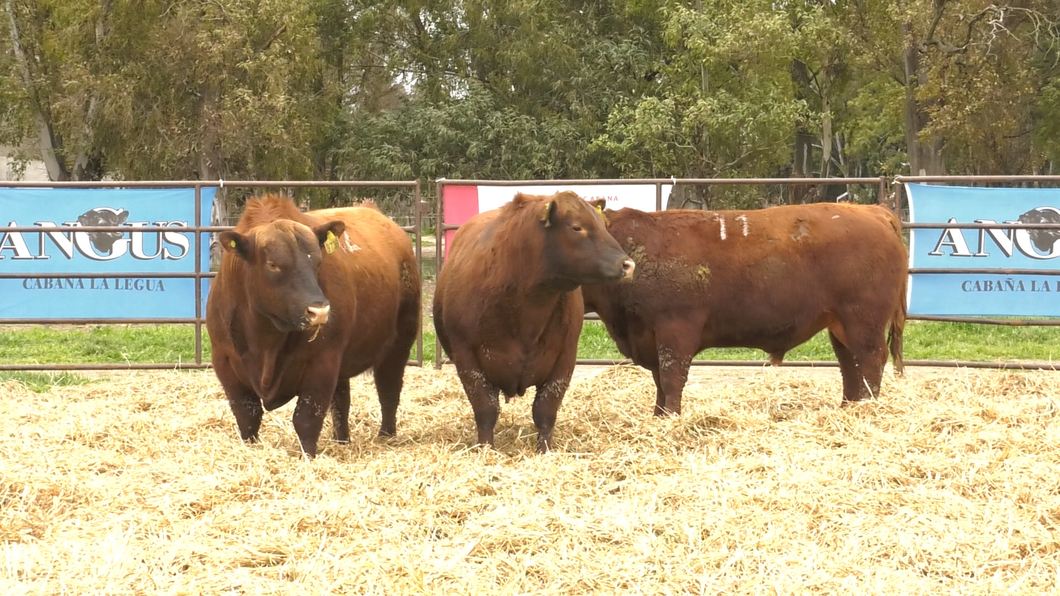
(389, 372)
(484, 402)
(660, 397)
(848, 368)
(314, 401)
(676, 344)
(868, 347)
(244, 402)
(389, 379)
(547, 400)
(340, 411)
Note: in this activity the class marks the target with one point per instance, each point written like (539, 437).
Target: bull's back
(369, 274)
(750, 276)
(465, 264)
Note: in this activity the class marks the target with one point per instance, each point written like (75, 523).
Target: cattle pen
(886, 191)
(131, 481)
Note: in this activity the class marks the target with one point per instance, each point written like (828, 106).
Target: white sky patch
(637, 196)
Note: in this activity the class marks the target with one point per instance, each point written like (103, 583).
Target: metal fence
(899, 184)
(883, 187)
(198, 229)
(884, 197)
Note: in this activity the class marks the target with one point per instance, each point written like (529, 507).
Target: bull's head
(103, 216)
(578, 250)
(1043, 239)
(282, 259)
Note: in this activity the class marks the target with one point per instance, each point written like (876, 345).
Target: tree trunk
(925, 159)
(802, 163)
(826, 137)
(210, 167)
(45, 134)
(88, 164)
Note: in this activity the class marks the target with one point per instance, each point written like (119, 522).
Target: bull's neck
(266, 344)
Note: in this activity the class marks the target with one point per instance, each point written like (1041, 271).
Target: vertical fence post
(881, 198)
(418, 226)
(439, 258)
(899, 189)
(198, 273)
(658, 196)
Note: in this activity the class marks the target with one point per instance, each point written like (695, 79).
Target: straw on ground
(139, 485)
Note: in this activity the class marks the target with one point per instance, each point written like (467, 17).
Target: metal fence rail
(198, 275)
(882, 183)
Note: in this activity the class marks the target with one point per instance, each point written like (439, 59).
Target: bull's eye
(272, 266)
(576, 227)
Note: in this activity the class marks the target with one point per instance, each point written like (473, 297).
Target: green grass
(173, 343)
(41, 382)
(100, 344)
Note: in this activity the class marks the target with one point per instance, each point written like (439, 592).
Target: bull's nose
(627, 268)
(317, 315)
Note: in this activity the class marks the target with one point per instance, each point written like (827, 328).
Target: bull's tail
(894, 335)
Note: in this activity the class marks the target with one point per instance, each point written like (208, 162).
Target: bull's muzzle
(627, 268)
(317, 315)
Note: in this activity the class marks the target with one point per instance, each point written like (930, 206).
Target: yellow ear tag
(544, 216)
(600, 209)
(331, 243)
(232, 243)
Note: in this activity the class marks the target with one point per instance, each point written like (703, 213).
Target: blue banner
(990, 248)
(169, 251)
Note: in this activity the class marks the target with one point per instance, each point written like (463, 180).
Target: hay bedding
(138, 485)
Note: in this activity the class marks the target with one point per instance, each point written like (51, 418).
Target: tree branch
(946, 48)
(270, 41)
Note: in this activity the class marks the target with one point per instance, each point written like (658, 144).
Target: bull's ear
(549, 213)
(236, 243)
(599, 204)
(328, 234)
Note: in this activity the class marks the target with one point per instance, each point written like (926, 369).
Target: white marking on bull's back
(743, 219)
(835, 217)
(721, 222)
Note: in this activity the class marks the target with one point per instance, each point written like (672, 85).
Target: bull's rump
(766, 278)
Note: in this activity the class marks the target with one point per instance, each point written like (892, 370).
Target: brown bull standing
(303, 302)
(768, 279)
(507, 308)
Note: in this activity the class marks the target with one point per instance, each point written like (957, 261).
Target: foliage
(331, 89)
